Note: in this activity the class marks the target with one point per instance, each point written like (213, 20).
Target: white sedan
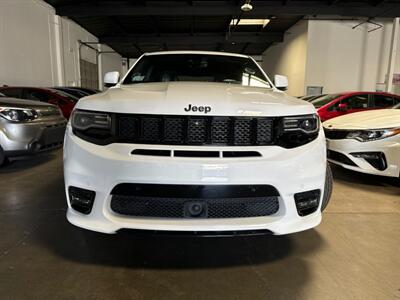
(368, 142)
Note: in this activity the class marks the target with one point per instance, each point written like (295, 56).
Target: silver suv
(28, 127)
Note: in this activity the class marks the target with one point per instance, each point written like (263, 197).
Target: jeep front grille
(185, 130)
(195, 130)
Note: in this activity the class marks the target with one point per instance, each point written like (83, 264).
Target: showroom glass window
(197, 67)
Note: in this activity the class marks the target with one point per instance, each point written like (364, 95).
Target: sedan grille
(336, 134)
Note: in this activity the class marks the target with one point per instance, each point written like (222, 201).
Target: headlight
(82, 120)
(372, 135)
(298, 130)
(307, 124)
(18, 114)
(94, 127)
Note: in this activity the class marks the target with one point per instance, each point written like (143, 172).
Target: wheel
(328, 188)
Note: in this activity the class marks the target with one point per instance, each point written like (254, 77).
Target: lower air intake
(184, 201)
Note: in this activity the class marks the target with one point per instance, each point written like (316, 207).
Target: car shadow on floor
(27, 162)
(138, 249)
(243, 267)
(349, 176)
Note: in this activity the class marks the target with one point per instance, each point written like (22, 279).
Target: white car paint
(368, 120)
(171, 97)
(100, 168)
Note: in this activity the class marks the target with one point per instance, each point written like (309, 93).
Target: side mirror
(111, 78)
(281, 82)
(342, 107)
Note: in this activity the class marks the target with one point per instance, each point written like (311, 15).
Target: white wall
(27, 44)
(38, 48)
(289, 58)
(341, 58)
(71, 33)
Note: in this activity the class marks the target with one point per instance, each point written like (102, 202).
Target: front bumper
(389, 147)
(28, 138)
(101, 168)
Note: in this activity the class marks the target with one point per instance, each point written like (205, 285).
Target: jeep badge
(193, 108)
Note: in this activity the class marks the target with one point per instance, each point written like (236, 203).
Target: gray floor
(353, 254)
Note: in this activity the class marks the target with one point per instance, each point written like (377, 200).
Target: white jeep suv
(196, 142)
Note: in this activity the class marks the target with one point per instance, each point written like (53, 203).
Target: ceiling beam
(187, 39)
(124, 8)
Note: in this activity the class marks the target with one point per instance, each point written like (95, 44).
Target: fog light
(81, 200)
(307, 202)
(375, 159)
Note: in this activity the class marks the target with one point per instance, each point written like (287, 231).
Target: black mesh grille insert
(220, 131)
(197, 131)
(173, 130)
(242, 131)
(182, 201)
(127, 128)
(150, 129)
(264, 131)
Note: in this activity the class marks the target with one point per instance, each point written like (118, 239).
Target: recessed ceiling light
(247, 22)
(246, 7)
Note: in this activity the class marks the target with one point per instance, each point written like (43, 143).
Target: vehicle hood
(21, 103)
(172, 98)
(375, 119)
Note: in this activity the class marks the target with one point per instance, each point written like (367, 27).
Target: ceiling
(134, 27)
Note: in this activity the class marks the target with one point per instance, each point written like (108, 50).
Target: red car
(63, 100)
(335, 105)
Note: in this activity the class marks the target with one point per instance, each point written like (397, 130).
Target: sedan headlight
(372, 135)
(16, 114)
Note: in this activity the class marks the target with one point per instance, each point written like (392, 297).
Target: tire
(2, 157)
(328, 188)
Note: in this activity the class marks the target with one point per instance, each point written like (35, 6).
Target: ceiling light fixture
(246, 6)
(249, 22)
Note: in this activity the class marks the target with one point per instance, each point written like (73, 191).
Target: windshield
(197, 67)
(321, 101)
(397, 106)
